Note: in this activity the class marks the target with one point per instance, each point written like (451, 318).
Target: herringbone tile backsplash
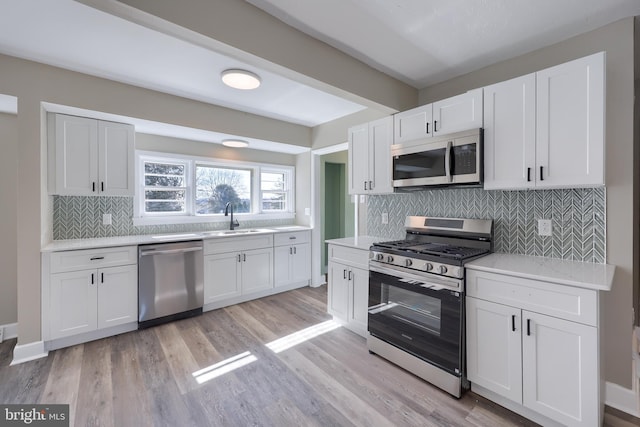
(77, 217)
(577, 216)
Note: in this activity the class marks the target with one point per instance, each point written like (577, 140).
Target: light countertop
(358, 242)
(104, 242)
(572, 273)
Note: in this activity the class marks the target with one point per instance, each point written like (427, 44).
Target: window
(174, 189)
(165, 187)
(217, 186)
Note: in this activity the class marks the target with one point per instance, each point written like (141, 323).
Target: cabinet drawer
(350, 256)
(565, 302)
(93, 258)
(291, 238)
(236, 244)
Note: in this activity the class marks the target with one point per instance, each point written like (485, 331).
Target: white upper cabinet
(370, 157)
(546, 129)
(88, 157)
(570, 123)
(458, 113)
(413, 124)
(510, 134)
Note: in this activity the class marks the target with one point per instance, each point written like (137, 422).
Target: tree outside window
(217, 186)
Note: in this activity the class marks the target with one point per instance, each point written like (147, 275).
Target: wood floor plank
(130, 405)
(24, 383)
(178, 356)
(95, 403)
(63, 383)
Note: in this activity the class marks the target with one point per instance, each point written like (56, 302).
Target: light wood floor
(146, 377)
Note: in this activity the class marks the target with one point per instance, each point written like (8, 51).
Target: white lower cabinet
(82, 299)
(538, 361)
(348, 288)
(237, 266)
(292, 259)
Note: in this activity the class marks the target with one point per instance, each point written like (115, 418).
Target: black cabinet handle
(528, 327)
(96, 258)
(513, 322)
(93, 186)
(101, 277)
(239, 258)
(290, 251)
(435, 126)
(344, 274)
(244, 257)
(427, 127)
(102, 186)
(528, 174)
(365, 186)
(541, 177)
(295, 250)
(92, 278)
(350, 275)
(370, 185)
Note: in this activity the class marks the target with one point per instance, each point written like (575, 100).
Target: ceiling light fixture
(241, 79)
(235, 143)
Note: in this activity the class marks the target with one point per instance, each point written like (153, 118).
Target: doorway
(337, 209)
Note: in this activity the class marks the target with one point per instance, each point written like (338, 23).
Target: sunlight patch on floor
(302, 335)
(224, 367)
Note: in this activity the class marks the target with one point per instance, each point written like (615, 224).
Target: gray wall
(617, 39)
(8, 225)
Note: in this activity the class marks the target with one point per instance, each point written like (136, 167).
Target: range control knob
(429, 266)
(408, 262)
(389, 258)
(443, 269)
(379, 257)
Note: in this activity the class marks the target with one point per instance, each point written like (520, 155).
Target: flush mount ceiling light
(240, 79)
(235, 143)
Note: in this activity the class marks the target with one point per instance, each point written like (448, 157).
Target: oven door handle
(447, 161)
(455, 285)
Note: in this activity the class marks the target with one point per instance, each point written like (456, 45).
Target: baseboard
(28, 352)
(10, 331)
(621, 398)
(319, 281)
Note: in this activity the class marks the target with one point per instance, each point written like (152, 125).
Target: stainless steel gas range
(416, 296)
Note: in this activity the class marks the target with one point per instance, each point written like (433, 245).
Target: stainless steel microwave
(454, 159)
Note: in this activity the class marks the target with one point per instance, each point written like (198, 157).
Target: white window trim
(189, 217)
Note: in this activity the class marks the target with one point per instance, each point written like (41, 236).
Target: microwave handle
(447, 161)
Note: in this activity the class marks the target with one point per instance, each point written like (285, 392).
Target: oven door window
(425, 322)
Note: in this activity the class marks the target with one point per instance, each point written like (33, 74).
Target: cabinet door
(494, 355)
(221, 276)
(282, 265)
(380, 140)
(510, 134)
(570, 123)
(413, 124)
(116, 146)
(359, 300)
(338, 291)
(76, 148)
(560, 369)
(73, 303)
(301, 263)
(458, 113)
(358, 159)
(257, 270)
(117, 295)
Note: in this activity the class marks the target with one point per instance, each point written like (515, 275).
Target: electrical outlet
(106, 219)
(385, 218)
(544, 227)
(362, 198)
(307, 211)
(1, 334)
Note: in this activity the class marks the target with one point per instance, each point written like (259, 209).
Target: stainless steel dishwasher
(170, 282)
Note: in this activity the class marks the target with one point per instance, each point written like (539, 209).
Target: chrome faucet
(232, 224)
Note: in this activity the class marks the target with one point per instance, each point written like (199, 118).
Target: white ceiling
(423, 42)
(420, 42)
(74, 36)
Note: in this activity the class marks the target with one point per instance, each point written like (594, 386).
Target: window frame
(140, 217)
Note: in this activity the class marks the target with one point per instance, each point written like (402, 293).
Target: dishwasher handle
(168, 251)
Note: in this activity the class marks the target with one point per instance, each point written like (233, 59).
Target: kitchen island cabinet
(532, 330)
